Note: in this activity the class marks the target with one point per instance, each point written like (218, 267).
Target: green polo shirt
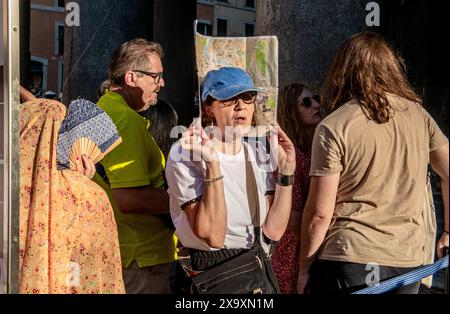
(136, 162)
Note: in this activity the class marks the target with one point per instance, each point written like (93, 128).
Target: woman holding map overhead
(224, 203)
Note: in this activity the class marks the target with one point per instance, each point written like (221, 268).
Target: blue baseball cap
(226, 83)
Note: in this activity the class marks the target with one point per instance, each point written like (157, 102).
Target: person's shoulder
(179, 156)
(414, 109)
(337, 121)
(122, 115)
(113, 104)
(344, 112)
(402, 104)
(175, 150)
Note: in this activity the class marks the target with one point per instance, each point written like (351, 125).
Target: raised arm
(207, 216)
(278, 215)
(25, 95)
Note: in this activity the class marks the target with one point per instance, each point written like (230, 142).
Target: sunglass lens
(307, 102)
(247, 98)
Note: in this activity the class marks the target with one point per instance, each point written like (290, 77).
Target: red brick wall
(205, 12)
(42, 40)
(49, 3)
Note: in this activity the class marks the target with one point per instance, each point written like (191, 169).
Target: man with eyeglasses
(134, 170)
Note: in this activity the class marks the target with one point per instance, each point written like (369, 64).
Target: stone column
(105, 24)
(309, 33)
(173, 29)
(88, 48)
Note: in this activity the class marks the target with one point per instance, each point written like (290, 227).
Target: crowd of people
(338, 183)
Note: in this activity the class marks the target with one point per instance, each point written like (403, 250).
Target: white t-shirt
(186, 181)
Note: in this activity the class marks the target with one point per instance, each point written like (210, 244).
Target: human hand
(85, 166)
(442, 245)
(198, 143)
(25, 95)
(285, 154)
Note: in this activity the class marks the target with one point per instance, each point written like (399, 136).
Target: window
(250, 3)
(249, 30)
(222, 27)
(226, 1)
(61, 3)
(204, 29)
(59, 40)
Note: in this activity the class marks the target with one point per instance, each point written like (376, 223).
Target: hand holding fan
(87, 130)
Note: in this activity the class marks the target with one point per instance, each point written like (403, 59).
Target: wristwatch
(283, 180)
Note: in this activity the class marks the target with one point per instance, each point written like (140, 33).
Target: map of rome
(257, 55)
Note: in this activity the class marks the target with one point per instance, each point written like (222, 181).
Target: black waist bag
(248, 273)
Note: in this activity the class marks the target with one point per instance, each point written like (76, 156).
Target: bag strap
(252, 195)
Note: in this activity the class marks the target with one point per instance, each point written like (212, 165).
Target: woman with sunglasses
(298, 114)
(210, 195)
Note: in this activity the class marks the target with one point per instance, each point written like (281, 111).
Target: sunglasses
(247, 98)
(307, 101)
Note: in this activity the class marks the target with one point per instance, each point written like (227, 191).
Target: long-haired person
(163, 118)
(369, 173)
(298, 114)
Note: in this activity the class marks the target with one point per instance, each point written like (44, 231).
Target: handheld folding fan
(87, 130)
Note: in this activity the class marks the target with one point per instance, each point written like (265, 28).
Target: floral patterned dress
(68, 234)
(286, 257)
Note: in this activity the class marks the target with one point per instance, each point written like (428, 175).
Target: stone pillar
(309, 33)
(173, 29)
(105, 24)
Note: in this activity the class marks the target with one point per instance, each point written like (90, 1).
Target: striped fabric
(406, 279)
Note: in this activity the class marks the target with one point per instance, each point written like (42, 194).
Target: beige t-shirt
(381, 193)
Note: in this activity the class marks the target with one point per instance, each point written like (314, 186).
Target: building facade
(47, 19)
(226, 18)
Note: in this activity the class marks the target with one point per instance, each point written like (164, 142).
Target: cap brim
(232, 91)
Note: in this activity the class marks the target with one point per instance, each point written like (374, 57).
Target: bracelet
(195, 200)
(285, 180)
(209, 181)
(445, 231)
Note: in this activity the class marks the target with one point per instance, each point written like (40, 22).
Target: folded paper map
(256, 55)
